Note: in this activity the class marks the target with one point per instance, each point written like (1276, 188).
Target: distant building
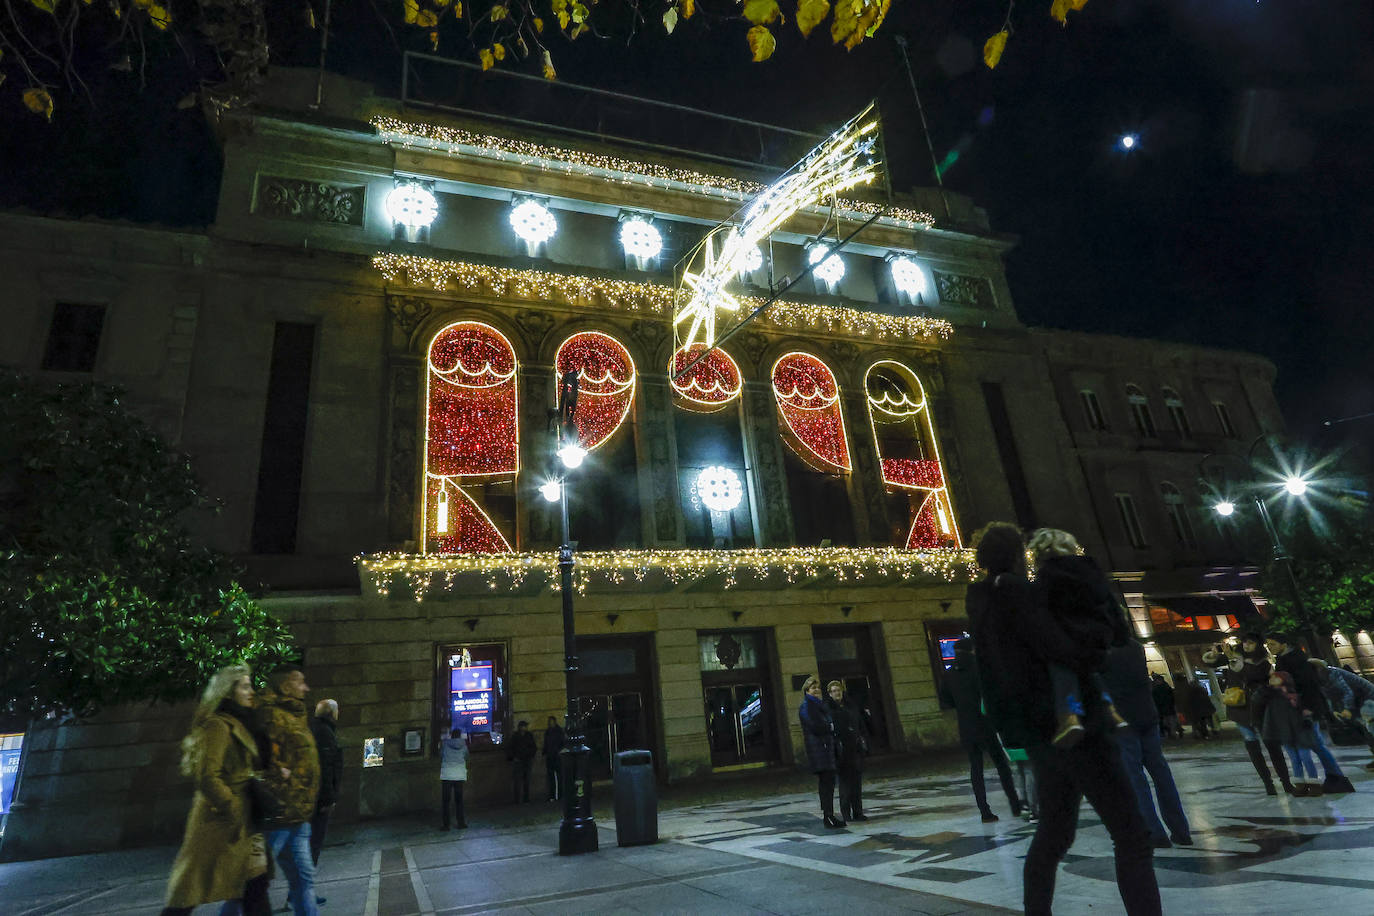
(371, 402)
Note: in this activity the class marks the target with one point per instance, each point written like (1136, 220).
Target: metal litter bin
(636, 799)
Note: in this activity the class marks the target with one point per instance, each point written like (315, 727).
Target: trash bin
(636, 799)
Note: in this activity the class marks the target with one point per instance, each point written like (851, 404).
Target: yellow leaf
(538, 24)
(761, 42)
(670, 20)
(159, 16)
(487, 60)
(549, 72)
(577, 30)
(434, 41)
(855, 21)
(427, 19)
(811, 13)
(560, 5)
(442, 4)
(499, 50)
(563, 19)
(1060, 9)
(761, 12)
(498, 13)
(579, 12)
(46, 6)
(412, 8)
(458, 10)
(993, 47)
(38, 101)
(688, 8)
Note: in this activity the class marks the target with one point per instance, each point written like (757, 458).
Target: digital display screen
(947, 647)
(472, 701)
(9, 768)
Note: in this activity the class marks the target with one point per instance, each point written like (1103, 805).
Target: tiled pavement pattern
(924, 851)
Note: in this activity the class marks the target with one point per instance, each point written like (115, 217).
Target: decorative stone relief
(408, 312)
(403, 454)
(534, 324)
(845, 353)
(958, 289)
(769, 474)
(650, 334)
(313, 201)
(754, 344)
(664, 475)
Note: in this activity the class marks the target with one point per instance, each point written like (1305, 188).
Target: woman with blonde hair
(222, 856)
(818, 732)
(851, 733)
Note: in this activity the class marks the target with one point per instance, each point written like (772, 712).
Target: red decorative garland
(917, 473)
(713, 382)
(606, 376)
(808, 400)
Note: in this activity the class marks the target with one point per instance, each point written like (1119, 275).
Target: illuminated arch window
(904, 434)
(713, 382)
(471, 442)
(606, 389)
(808, 399)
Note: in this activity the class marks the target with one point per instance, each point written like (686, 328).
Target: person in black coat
(1200, 709)
(1290, 659)
(324, 727)
(818, 735)
(851, 733)
(960, 689)
(520, 751)
(1166, 706)
(1017, 639)
(554, 739)
(1247, 671)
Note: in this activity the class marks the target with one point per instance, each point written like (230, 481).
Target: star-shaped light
(708, 291)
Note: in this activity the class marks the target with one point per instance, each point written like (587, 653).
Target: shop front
(739, 698)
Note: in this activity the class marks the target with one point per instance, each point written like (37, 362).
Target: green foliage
(1335, 574)
(104, 597)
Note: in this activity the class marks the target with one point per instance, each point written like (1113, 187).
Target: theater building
(360, 355)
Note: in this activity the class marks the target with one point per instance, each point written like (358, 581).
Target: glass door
(737, 725)
(611, 723)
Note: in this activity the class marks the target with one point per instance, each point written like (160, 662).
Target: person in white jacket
(453, 772)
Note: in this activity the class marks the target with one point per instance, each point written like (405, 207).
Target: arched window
(471, 443)
(1177, 415)
(1140, 411)
(808, 399)
(1178, 514)
(904, 434)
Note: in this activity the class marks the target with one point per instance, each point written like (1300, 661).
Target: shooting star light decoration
(846, 158)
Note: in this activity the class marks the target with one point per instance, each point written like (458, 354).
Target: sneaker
(1117, 721)
(859, 817)
(1069, 734)
(989, 817)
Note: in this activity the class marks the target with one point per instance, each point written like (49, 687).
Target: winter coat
(521, 747)
(1163, 695)
(1281, 721)
(221, 850)
(554, 739)
(453, 760)
(818, 732)
(1345, 690)
(1127, 680)
(325, 733)
(1200, 705)
(283, 721)
(850, 727)
(1016, 639)
(1295, 662)
(1080, 599)
(961, 688)
(1250, 672)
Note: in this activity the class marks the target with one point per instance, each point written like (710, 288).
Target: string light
(606, 387)
(645, 298)
(713, 382)
(423, 573)
(458, 142)
(533, 222)
(465, 527)
(808, 399)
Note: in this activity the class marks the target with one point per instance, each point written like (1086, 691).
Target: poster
(472, 698)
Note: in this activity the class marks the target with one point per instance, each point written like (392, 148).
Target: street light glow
(1295, 486)
(571, 455)
(551, 491)
(1128, 141)
(1225, 508)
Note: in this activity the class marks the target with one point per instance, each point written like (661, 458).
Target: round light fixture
(753, 260)
(908, 277)
(719, 488)
(551, 491)
(1295, 486)
(1128, 141)
(533, 222)
(1224, 508)
(412, 205)
(828, 267)
(571, 455)
(639, 238)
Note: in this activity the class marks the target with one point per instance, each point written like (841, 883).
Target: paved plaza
(923, 851)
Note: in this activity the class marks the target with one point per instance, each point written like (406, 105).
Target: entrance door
(612, 723)
(737, 725)
(845, 654)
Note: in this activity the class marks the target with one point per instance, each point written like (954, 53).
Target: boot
(1280, 765)
(1257, 758)
(1336, 784)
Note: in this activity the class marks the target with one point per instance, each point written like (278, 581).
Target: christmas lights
(713, 382)
(412, 205)
(640, 239)
(470, 431)
(907, 276)
(829, 268)
(533, 222)
(653, 299)
(719, 488)
(845, 159)
(808, 399)
(900, 421)
(458, 142)
(606, 389)
(424, 574)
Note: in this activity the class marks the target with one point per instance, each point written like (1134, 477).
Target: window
(281, 459)
(1092, 409)
(1177, 415)
(73, 337)
(1140, 411)
(1130, 520)
(1178, 515)
(1224, 420)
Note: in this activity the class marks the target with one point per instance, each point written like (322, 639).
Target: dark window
(282, 458)
(603, 497)
(1178, 515)
(820, 505)
(1177, 415)
(73, 337)
(1140, 412)
(1011, 458)
(1130, 520)
(1224, 419)
(712, 440)
(1092, 409)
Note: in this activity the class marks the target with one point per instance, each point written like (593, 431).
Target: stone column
(763, 451)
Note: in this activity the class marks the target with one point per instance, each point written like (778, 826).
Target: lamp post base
(577, 834)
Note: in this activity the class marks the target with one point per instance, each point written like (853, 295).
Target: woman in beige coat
(222, 851)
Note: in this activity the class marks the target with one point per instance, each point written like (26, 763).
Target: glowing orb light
(1129, 141)
(640, 239)
(909, 279)
(829, 267)
(412, 205)
(1295, 486)
(1225, 508)
(533, 222)
(551, 491)
(571, 455)
(719, 488)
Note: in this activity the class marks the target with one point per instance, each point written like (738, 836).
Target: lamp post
(1295, 486)
(577, 833)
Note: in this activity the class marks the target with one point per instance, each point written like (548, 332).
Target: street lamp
(577, 833)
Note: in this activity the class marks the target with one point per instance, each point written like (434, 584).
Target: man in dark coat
(1128, 681)
(554, 740)
(324, 726)
(1289, 658)
(1200, 709)
(520, 751)
(1165, 705)
(960, 689)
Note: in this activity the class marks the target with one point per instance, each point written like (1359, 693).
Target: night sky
(1208, 232)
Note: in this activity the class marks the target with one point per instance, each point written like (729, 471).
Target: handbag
(1234, 696)
(263, 802)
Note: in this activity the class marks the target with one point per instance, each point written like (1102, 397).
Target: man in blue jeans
(1128, 682)
(294, 776)
(1289, 657)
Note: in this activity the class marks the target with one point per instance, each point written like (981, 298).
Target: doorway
(737, 698)
(615, 698)
(845, 653)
